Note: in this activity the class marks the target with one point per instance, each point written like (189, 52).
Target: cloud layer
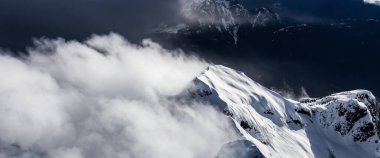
(104, 97)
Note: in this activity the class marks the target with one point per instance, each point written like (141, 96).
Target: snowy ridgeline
(340, 125)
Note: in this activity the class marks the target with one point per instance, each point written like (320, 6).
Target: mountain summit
(342, 125)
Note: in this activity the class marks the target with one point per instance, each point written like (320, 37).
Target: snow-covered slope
(340, 125)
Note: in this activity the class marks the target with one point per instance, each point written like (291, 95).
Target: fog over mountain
(189, 78)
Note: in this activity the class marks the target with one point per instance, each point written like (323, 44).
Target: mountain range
(282, 38)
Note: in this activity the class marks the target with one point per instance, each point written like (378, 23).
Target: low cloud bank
(104, 97)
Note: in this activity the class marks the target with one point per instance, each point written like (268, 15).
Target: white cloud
(104, 97)
(375, 2)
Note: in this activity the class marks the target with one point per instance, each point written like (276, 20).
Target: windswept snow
(341, 125)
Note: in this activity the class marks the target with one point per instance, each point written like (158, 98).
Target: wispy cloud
(288, 92)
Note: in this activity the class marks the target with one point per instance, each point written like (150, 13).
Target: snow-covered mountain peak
(341, 125)
(239, 92)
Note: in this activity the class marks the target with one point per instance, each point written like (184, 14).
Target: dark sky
(20, 20)
(322, 60)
